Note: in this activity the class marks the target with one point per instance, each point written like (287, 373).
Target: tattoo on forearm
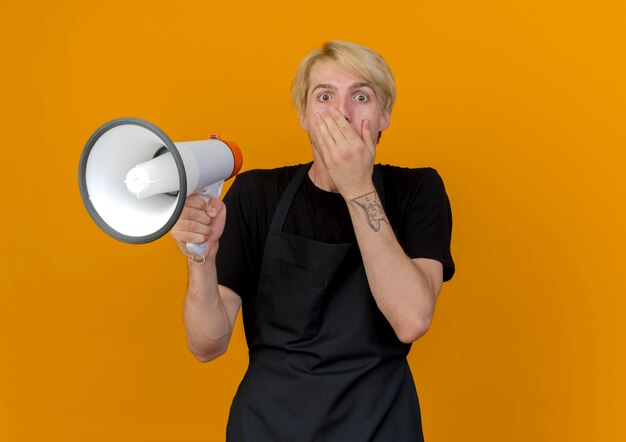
(374, 212)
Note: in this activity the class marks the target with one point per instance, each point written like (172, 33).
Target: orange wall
(520, 105)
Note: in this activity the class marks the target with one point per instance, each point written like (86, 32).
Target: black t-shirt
(415, 203)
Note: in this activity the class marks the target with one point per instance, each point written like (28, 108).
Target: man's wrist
(208, 257)
(359, 191)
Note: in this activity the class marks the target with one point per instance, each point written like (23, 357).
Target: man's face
(330, 85)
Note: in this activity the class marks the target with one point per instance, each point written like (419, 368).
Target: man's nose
(344, 106)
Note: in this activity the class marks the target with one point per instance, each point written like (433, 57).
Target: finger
(196, 202)
(333, 119)
(366, 134)
(199, 215)
(214, 207)
(322, 137)
(187, 237)
(187, 234)
(343, 126)
(193, 227)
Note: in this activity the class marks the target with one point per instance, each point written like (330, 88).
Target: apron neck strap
(285, 200)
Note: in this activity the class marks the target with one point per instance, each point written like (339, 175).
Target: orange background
(520, 106)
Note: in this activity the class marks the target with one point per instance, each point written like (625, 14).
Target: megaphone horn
(134, 180)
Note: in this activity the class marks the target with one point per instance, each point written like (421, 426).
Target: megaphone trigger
(212, 191)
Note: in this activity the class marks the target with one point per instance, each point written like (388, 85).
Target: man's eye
(361, 97)
(324, 97)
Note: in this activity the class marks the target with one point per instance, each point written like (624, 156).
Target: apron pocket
(293, 302)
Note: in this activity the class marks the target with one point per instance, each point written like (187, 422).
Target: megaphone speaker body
(134, 180)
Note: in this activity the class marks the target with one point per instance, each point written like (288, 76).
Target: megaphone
(134, 180)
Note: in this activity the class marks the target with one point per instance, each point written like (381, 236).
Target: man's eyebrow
(360, 85)
(323, 86)
(333, 87)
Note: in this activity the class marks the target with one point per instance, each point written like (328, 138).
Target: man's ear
(303, 123)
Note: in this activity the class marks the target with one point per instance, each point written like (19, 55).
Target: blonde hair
(361, 60)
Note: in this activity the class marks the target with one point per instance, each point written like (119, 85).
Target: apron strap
(290, 192)
(285, 200)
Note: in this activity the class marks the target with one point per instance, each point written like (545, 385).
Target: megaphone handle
(212, 191)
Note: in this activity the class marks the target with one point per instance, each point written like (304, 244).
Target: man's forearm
(207, 324)
(402, 291)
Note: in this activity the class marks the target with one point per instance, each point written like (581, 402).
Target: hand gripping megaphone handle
(209, 192)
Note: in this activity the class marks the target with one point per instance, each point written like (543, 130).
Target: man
(337, 266)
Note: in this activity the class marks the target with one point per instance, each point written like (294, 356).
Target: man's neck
(320, 177)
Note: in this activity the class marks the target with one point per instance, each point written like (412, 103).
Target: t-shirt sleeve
(426, 226)
(237, 251)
